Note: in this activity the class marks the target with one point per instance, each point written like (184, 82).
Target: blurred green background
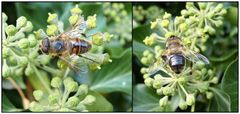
(115, 18)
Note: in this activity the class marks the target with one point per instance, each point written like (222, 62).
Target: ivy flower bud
(218, 23)
(97, 39)
(144, 60)
(52, 18)
(38, 94)
(148, 82)
(91, 21)
(76, 11)
(73, 19)
(89, 99)
(202, 5)
(200, 64)
(82, 89)
(52, 29)
(210, 30)
(214, 80)
(94, 66)
(67, 80)
(210, 72)
(184, 12)
(44, 59)
(169, 34)
(6, 71)
(157, 84)
(19, 35)
(149, 40)
(153, 24)
(71, 86)
(182, 105)
(40, 34)
(223, 12)
(143, 70)
(28, 28)
(179, 19)
(146, 53)
(209, 95)
(190, 99)
(18, 72)
(35, 107)
(204, 71)
(219, 7)
(53, 98)
(23, 43)
(167, 15)
(4, 17)
(107, 37)
(189, 5)
(164, 23)
(29, 71)
(183, 26)
(11, 30)
(163, 101)
(72, 101)
(56, 82)
(210, 15)
(23, 61)
(160, 91)
(106, 58)
(5, 52)
(21, 22)
(168, 90)
(32, 40)
(145, 76)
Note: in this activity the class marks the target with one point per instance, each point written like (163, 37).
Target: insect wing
(97, 58)
(195, 57)
(154, 68)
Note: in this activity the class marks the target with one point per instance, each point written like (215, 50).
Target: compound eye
(45, 45)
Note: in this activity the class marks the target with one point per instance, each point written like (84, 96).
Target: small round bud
(150, 57)
(210, 30)
(73, 19)
(160, 91)
(5, 52)
(183, 26)
(12, 60)
(28, 28)
(18, 72)
(94, 66)
(218, 23)
(143, 70)
(89, 99)
(149, 40)
(190, 99)
(179, 19)
(210, 15)
(23, 61)
(56, 82)
(165, 23)
(97, 39)
(53, 98)
(153, 24)
(189, 5)
(210, 72)
(82, 89)
(35, 107)
(33, 54)
(214, 80)
(182, 105)
(11, 30)
(37, 94)
(157, 48)
(219, 7)
(144, 60)
(67, 80)
(106, 58)
(209, 95)
(72, 101)
(4, 17)
(146, 53)
(32, 40)
(19, 35)
(168, 90)
(163, 101)
(91, 21)
(167, 15)
(44, 59)
(200, 65)
(29, 71)
(23, 43)
(52, 18)
(223, 12)
(204, 71)
(21, 22)
(184, 12)
(157, 84)
(52, 29)
(76, 11)
(148, 82)
(72, 86)
(107, 37)
(145, 76)
(40, 34)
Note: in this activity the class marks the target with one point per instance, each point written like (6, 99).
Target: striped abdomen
(79, 46)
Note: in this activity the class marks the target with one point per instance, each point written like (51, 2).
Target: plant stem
(193, 108)
(25, 101)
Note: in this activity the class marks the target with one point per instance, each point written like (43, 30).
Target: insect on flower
(71, 44)
(175, 55)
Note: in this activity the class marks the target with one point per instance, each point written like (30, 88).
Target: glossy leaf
(7, 106)
(115, 76)
(230, 84)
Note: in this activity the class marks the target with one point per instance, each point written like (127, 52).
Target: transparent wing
(97, 58)
(76, 63)
(78, 29)
(194, 56)
(154, 68)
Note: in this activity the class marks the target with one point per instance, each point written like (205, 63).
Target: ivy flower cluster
(61, 100)
(194, 27)
(118, 17)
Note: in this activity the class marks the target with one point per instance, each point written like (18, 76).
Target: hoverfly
(70, 44)
(175, 55)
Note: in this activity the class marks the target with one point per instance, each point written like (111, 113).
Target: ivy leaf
(100, 105)
(230, 84)
(138, 49)
(115, 76)
(7, 106)
(220, 102)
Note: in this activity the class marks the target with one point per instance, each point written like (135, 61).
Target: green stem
(183, 88)
(193, 108)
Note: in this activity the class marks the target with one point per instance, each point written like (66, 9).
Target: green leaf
(7, 106)
(40, 84)
(220, 102)
(232, 14)
(230, 84)
(138, 49)
(224, 57)
(100, 105)
(115, 76)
